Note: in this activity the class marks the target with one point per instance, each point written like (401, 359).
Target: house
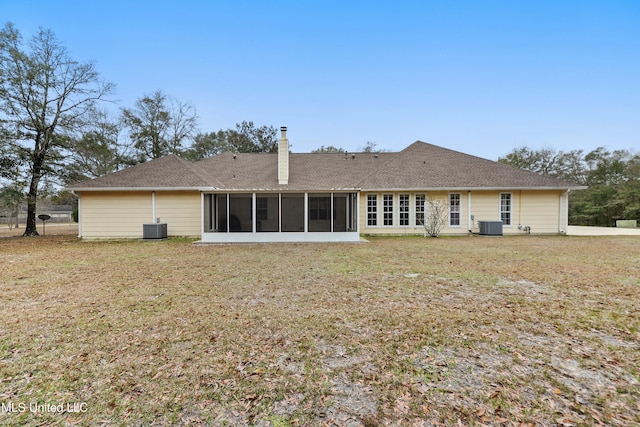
(290, 197)
(57, 213)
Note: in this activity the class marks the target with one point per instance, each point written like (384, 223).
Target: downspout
(564, 213)
(470, 225)
(153, 207)
(520, 208)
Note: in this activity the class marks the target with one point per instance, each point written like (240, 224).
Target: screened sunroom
(280, 217)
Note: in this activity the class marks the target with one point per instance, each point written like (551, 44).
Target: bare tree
(436, 217)
(98, 151)
(45, 97)
(184, 122)
(159, 125)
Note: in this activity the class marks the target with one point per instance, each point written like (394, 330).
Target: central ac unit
(154, 231)
(490, 228)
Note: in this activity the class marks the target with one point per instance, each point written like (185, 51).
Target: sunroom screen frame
(214, 233)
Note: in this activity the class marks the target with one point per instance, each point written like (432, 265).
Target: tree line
(54, 132)
(612, 178)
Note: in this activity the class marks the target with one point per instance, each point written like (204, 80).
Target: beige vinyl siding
(485, 206)
(114, 214)
(396, 228)
(121, 214)
(443, 197)
(181, 211)
(539, 210)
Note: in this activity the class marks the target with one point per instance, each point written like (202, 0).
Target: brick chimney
(283, 158)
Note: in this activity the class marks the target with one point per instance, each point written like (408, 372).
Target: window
(319, 208)
(387, 209)
(420, 201)
(454, 210)
(403, 202)
(262, 213)
(372, 210)
(505, 208)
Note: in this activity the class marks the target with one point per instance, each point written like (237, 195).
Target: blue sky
(482, 77)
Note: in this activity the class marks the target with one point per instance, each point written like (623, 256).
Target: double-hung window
(372, 210)
(420, 201)
(454, 210)
(505, 208)
(403, 202)
(387, 210)
(262, 211)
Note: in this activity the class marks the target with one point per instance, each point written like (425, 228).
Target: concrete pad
(574, 230)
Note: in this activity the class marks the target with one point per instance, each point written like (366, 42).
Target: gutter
(81, 189)
(405, 189)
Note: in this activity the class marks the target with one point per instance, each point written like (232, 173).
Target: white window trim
(415, 208)
(366, 219)
(393, 214)
(459, 210)
(408, 210)
(510, 209)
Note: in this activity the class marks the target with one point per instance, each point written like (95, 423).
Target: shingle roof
(428, 166)
(308, 171)
(419, 166)
(169, 172)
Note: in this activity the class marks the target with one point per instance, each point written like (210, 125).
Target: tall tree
(44, 98)
(207, 145)
(98, 151)
(329, 149)
(548, 161)
(11, 197)
(159, 125)
(612, 177)
(371, 147)
(245, 138)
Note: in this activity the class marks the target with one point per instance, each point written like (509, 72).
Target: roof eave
(284, 190)
(81, 189)
(520, 188)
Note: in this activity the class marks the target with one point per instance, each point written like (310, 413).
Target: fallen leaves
(510, 332)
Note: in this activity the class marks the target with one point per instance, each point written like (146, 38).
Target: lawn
(400, 331)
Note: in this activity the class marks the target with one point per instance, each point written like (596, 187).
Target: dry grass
(400, 331)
